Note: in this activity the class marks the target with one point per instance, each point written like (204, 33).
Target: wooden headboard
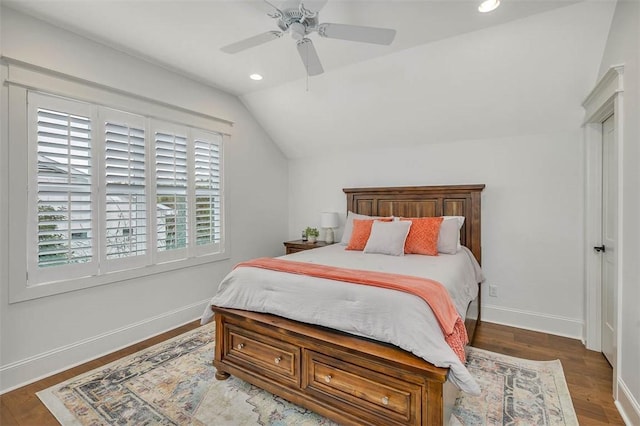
(424, 201)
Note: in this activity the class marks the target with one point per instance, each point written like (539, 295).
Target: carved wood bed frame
(350, 379)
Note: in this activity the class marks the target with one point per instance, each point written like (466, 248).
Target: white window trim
(20, 78)
(41, 79)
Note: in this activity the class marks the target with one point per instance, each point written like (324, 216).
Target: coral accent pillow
(423, 235)
(348, 225)
(361, 232)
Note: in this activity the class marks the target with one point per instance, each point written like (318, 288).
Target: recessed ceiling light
(488, 5)
(256, 77)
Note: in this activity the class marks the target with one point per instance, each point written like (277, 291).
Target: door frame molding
(604, 100)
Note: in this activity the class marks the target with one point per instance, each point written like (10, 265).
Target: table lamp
(328, 221)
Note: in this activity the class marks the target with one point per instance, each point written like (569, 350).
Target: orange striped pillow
(423, 235)
(361, 232)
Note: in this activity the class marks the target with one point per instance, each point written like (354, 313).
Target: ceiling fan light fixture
(298, 31)
(256, 77)
(488, 5)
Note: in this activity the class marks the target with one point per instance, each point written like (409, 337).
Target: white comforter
(386, 315)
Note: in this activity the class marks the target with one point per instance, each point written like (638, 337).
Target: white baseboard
(34, 368)
(627, 405)
(535, 321)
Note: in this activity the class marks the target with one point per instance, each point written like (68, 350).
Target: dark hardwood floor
(588, 374)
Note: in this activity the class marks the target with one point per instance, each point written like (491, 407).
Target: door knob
(600, 249)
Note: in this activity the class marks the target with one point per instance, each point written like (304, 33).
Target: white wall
(623, 47)
(531, 213)
(499, 106)
(43, 335)
(528, 76)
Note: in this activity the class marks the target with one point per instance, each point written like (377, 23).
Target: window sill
(21, 291)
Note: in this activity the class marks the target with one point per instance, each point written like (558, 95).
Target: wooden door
(609, 238)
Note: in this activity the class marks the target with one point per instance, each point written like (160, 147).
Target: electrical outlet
(493, 290)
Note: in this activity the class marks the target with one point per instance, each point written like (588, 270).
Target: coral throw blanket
(432, 292)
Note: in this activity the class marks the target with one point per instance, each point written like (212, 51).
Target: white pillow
(449, 237)
(348, 225)
(388, 238)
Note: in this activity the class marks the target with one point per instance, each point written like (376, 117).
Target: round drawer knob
(385, 400)
(240, 346)
(327, 378)
(277, 360)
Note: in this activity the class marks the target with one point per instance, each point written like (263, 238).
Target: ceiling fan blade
(266, 7)
(270, 9)
(357, 33)
(313, 6)
(251, 42)
(309, 57)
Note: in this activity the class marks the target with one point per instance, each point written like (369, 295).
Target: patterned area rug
(173, 383)
(515, 391)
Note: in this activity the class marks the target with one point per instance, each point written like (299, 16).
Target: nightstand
(299, 245)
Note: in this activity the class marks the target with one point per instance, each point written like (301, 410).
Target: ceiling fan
(300, 18)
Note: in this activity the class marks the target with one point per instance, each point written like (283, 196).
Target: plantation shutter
(125, 181)
(64, 179)
(110, 191)
(171, 191)
(207, 160)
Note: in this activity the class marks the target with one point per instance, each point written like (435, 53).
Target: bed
(345, 377)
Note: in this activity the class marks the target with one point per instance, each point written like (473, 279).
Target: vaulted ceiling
(450, 74)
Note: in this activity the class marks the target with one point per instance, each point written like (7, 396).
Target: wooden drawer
(368, 390)
(262, 354)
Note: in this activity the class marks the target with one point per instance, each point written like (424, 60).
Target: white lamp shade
(329, 220)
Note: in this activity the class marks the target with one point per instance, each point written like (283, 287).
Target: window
(62, 237)
(208, 226)
(171, 190)
(93, 198)
(125, 236)
(89, 200)
(64, 188)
